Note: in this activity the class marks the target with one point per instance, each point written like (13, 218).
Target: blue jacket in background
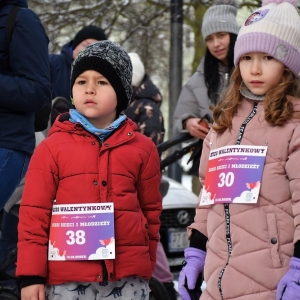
(24, 86)
(61, 71)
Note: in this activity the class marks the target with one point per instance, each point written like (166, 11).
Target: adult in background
(203, 89)
(144, 110)
(61, 63)
(25, 89)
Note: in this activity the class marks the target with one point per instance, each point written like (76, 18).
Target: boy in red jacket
(89, 216)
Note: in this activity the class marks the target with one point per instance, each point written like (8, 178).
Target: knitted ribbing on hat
(273, 29)
(112, 61)
(221, 17)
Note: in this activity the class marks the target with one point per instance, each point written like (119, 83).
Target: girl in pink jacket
(246, 233)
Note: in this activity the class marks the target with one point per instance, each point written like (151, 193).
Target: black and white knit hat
(221, 17)
(113, 62)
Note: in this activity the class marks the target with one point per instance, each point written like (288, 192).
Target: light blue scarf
(76, 117)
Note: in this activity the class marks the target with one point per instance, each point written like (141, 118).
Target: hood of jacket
(148, 90)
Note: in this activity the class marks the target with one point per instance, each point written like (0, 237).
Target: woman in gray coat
(203, 89)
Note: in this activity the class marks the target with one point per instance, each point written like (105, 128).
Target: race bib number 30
(233, 175)
(82, 232)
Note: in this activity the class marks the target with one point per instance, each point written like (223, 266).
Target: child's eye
(81, 82)
(101, 82)
(246, 57)
(268, 57)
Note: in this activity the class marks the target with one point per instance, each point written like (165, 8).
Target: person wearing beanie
(61, 63)
(91, 204)
(84, 34)
(138, 69)
(203, 89)
(246, 232)
(144, 110)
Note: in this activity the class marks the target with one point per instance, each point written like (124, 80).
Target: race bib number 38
(82, 232)
(233, 175)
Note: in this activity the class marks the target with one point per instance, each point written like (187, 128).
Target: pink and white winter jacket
(262, 234)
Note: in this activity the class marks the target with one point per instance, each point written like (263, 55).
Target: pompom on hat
(113, 62)
(221, 17)
(273, 29)
(138, 69)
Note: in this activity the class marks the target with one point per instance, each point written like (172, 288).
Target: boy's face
(95, 98)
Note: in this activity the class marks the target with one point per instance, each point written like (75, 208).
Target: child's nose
(90, 88)
(255, 67)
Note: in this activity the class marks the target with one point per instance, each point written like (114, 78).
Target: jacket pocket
(274, 240)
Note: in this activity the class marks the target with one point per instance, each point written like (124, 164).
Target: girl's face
(218, 45)
(95, 98)
(260, 72)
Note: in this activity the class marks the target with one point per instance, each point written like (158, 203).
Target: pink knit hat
(273, 29)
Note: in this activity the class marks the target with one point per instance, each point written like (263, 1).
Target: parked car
(179, 206)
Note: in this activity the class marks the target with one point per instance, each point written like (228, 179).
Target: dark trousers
(8, 242)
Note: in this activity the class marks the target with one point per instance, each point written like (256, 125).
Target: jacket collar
(104, 133)
(126, 131)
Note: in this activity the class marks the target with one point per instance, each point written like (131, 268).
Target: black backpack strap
(10, 25)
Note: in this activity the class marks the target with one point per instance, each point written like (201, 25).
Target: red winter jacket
(72, 166)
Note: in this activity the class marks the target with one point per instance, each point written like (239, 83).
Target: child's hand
(33, 292)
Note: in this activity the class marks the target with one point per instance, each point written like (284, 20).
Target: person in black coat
(61, 63)
(144, 108)
(25, 88)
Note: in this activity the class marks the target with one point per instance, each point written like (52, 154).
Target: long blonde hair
(278, 108)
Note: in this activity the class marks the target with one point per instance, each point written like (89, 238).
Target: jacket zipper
(104, 271)
(226, 206)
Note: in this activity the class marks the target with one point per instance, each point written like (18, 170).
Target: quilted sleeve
(41, 183)
(293, 173)
(187, 106)
(150, 198)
